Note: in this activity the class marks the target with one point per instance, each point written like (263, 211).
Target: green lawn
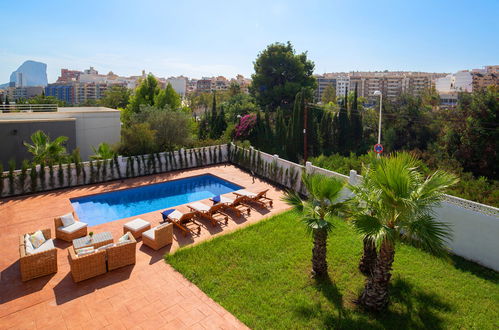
(261, 275)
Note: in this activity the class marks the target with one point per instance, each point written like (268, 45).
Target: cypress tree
(42, 175)
(60, 174)
(343, 128)
(117, 165)
(33, 176)
(356, 130)
(280, 133)
(295, 131)
(12, 168)
(22, 176)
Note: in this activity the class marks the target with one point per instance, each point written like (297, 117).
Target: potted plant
(90, 235)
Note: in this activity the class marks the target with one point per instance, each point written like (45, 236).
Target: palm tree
(103, 151)
(395, 203)
(317, 211)
(46, 151)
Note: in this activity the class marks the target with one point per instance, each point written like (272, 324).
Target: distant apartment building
(322, 83)
(179, 84)
(78, 87)
(484, 80)
(391, 84)
(68, 76)
(63, 92)
(342, 85)
(204, 85)
(18, 93)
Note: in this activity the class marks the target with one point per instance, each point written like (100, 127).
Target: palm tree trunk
(368, 259)
(319, 262)
(375, 295)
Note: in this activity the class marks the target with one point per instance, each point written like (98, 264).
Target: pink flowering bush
(245, 126)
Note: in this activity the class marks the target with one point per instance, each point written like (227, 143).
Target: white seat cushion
(72, 228)
(67, 219)
(47, 245)
(137, 224)
(149, 234)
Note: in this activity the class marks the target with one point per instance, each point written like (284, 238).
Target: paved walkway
(148, 295)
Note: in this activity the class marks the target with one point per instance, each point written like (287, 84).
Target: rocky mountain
(34, 73)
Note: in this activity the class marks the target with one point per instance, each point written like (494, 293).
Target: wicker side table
(97, 240)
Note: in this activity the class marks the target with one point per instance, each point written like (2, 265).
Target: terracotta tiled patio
(148, 295)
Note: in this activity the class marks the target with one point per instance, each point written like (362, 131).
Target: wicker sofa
(69, 234)
(86, 266)
(159, 236)
(39, 263)
(121, 255)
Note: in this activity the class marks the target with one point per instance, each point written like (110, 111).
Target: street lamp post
(378, 93)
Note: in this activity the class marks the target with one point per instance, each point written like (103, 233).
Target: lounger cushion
(245, 192)
(149, 233)
(72, 228)
(198, 206)
(67, 219)
(47, 245)
(137, 224)
(37, 239)
(176, 215)
(166, 213)
(224, 199)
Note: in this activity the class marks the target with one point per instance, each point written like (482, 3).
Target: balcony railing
(6, 108)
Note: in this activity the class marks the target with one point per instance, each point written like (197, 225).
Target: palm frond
(427, 233)
(293, 198)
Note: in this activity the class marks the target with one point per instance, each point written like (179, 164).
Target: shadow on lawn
(467, 266)
(410, 308)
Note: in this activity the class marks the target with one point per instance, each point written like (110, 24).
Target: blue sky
(205, 38)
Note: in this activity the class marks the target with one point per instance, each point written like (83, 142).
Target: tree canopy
(279, 75)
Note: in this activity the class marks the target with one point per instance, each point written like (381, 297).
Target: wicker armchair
(68, 237)
(159, 236)
(121, 255)
(86, 266)
(36, 264)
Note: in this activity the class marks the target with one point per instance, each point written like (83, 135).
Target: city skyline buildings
(171, 39)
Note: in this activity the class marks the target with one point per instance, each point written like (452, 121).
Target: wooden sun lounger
(258, 198)
(184, 221)
(208, 212)
(237, 205)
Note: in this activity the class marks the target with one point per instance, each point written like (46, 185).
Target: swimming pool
(110, 206)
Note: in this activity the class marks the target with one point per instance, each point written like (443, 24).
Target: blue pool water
(101, 208)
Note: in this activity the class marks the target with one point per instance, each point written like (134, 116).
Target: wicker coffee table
(98, 240)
